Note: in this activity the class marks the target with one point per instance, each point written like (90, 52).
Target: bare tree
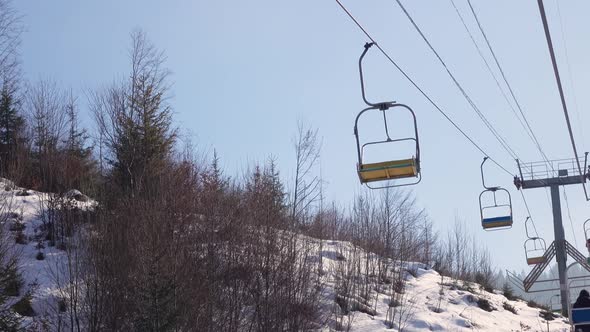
(307, 184)
(11, 29)
(48, 123)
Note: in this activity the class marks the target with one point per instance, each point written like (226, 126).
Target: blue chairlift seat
(497, 222)
(581, 316)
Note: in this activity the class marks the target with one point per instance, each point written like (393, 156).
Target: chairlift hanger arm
(526, 227)
(483, 182)
(381, 106)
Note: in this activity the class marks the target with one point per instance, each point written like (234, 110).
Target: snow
(39, 276)
(427, 305)
(459, 310)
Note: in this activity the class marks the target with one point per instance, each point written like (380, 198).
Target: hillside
(425, 302)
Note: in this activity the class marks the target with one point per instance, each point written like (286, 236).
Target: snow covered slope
(429, 302)
(39, 263)
(454, 306)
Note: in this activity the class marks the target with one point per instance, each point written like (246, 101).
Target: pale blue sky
(245, 71)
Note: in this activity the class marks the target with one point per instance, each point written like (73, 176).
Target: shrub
(509, 307)
(394, 303)
(508, 292)
(398, 286)
(485, 305)
(547, 315)
(465, 286)
(13, 283)
(343, 304)
(484, 281)
(23, 307)
(435, 309)
(20, 238)
(534, 304)
(23, 192)
(62, 305)
(16, 226)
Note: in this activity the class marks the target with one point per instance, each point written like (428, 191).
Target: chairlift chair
(370, 172)
(554, 305)
(580, 317)
(495, 216)
(535, 248)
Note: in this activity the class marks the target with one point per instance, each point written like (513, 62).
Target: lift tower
(553, 174)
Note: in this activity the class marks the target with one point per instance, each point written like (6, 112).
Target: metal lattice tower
(554, 174)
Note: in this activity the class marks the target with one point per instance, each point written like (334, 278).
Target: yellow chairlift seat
(535, 260)
(388, 170)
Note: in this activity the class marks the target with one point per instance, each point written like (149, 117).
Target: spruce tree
(79, 164)
(11, 124)
(10, 284)
(143, 136)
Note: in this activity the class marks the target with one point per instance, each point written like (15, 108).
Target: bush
(485, 305)
(509, 307)
(484, 281)
(23, 307)
(40, 256)
(465, 286)
(13, 283)
(434, 309)
(343, 304)
(508, 292)
(16, 226)
(23, 192)
(534, 304)
(547, 315)
(394, 303)
(62, 305)
(20, 238)
(399, 286)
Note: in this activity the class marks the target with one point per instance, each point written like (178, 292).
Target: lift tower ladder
(553, 174)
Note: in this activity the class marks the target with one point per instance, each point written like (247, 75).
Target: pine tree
(77, 137)
(11, 124)
(10, 282)
(79, 165)
(143, 136)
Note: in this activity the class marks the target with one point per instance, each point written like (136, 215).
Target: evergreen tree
(79, 165)
(10, 284)
(139, 129)
(77, 137)
(11, 125)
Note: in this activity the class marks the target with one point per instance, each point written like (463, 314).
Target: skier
(583, 301)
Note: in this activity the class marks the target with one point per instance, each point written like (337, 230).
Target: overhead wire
(526, 204)
(430, 100)
(489, 68)
(494, 132)
(569, 215)
(525, 124)
(561, 93)
(570, 75)
(531, 134)
(530, 131)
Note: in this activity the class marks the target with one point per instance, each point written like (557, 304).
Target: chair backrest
(581, 316)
